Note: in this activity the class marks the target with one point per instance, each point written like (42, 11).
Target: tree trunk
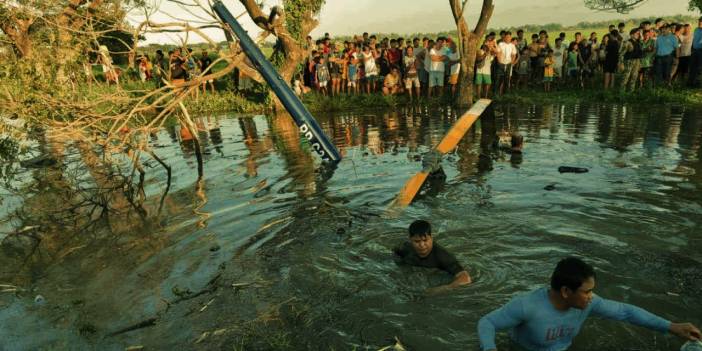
(468, 53)
(469, 45)
(274, 23)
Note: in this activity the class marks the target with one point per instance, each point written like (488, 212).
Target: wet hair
(518, 139)
(571, 272)
(420, 227)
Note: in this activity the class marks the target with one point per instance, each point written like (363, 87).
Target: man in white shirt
(559, 54)
(436, 68)
(506, 57)
(685, 52)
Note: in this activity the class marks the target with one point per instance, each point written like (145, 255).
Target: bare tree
(621, 6)
(290, 26)
(469, 41)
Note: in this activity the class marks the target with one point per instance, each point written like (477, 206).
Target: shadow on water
(275, 251)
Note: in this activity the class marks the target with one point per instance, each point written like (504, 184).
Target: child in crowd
(572, 63)
(548, 70)
(391, 83)
(411, 72)
(322, 75)
(523, 68)
(352, 71)
(483, 79)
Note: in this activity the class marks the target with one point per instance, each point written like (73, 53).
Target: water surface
(301, 254)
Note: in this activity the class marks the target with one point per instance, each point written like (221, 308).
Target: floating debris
(568, 169)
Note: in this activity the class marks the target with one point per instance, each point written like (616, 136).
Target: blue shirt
(537, 326)
(697, 39)
(666, 44)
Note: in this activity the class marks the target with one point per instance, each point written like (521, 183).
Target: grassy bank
(647, 96)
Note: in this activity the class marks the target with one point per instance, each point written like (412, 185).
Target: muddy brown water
(289, 255)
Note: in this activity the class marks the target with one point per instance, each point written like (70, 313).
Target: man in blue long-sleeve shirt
(548, 319)
(696, 64)
(666, 43)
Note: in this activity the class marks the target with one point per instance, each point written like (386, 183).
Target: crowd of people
(648, 55)
(177, 67)
(391, 66)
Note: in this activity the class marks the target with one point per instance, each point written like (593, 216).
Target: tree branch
(485, 15)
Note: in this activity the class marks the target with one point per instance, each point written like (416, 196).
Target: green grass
(646, 96)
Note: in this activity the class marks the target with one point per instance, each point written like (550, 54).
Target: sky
(347, 17)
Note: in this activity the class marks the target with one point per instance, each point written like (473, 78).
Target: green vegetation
(648, 96)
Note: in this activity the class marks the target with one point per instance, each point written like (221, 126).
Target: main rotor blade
(448, 143)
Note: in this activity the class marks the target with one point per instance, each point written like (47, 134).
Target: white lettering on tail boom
(316, 146)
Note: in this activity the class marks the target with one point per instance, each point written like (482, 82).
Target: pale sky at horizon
(347, 17)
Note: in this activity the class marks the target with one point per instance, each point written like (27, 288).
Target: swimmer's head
(420, 237)
(517, 141)
(574, 281)
(419, 227)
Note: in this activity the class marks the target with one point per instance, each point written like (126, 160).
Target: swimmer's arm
(629, 313)
(460, 279)
(508, 316)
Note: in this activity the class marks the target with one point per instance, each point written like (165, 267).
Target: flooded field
(275, 252)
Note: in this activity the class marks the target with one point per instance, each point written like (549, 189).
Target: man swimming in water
(421, 251)
(548, 319)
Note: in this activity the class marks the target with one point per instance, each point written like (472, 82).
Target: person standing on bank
(547, 319)
(421, 251)
(696, 60)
